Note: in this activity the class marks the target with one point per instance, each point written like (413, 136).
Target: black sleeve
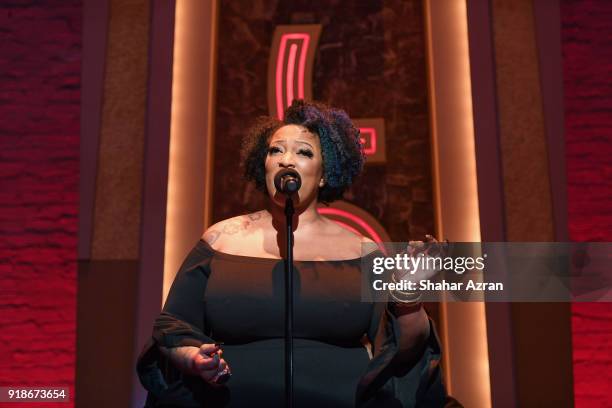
(180, 323)
(387, 383)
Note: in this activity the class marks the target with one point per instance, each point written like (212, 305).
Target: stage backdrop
(371, 62)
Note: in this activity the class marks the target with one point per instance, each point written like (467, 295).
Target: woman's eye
(306, 153)
(272, 150)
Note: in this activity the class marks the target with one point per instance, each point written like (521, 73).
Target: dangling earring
(321, 183)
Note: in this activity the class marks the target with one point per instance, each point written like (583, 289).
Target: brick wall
(587, 53)
(39, 162)
(39, 125)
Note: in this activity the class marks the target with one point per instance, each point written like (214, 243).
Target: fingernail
(223, 378)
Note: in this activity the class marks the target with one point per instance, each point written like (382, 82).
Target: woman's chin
(280, 199)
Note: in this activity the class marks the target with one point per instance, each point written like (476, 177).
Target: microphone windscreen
(287, 181)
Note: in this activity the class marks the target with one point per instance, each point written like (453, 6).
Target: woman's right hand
(208, 363)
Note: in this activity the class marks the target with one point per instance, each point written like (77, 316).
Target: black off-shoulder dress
(239, 300)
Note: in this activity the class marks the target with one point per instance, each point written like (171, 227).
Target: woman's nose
(287, 160)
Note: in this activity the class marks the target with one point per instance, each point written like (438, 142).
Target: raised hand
(430, 248)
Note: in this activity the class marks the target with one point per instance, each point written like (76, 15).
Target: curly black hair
(342, 151)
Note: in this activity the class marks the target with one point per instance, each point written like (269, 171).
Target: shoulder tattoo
(211, 236)
(233, 227)
(255, 216)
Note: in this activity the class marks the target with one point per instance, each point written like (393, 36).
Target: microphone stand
(289, 211)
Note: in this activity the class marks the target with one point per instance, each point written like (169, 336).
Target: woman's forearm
(414, 332)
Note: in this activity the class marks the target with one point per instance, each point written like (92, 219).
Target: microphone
(287, 181)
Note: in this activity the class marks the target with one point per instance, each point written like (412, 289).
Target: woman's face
(294, 147)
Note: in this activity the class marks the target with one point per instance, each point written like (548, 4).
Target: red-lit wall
(587, 54)
(39, 164)
(39, 148)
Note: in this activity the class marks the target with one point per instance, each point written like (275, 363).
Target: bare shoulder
(368, 248)
(366, 240)
(364, 248)
(347, 241)
(229, 230)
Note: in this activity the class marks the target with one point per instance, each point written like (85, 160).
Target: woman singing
(219, 341)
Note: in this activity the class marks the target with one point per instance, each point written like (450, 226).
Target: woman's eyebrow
(284, 142)
(304, 142)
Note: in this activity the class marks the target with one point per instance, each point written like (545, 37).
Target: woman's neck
(304, 217)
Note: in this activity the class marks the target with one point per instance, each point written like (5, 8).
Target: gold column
(191, 132)
(463, 325)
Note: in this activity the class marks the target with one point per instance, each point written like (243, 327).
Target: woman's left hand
(430, 248)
